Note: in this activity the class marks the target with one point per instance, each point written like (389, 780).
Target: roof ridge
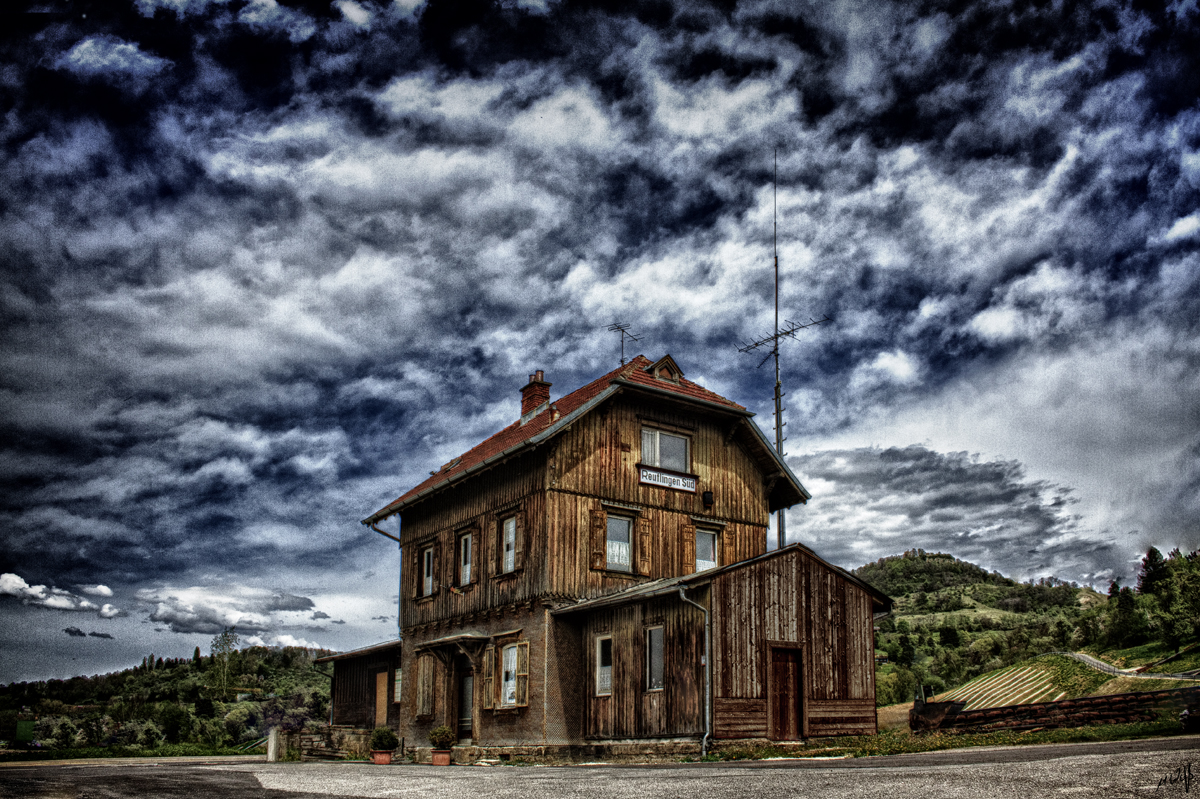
(515, 434)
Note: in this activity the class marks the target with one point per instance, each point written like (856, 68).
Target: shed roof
(671, 585)
(366, 650)
(637, 375)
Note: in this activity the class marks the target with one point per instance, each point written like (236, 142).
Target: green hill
(177, 701)
(953, 621)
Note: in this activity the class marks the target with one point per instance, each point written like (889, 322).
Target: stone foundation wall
(1114, 709)
(328, 743)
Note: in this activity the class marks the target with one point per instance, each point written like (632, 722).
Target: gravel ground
(1122, 769)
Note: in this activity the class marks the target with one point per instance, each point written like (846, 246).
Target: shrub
(442, 737)
(383, 739)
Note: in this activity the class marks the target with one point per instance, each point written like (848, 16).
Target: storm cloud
(264, 264)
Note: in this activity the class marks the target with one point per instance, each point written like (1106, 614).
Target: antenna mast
(623, 329)
(790, 330)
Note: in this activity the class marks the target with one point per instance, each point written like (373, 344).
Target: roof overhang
(554, 429)
(797, 494)
(366, 650)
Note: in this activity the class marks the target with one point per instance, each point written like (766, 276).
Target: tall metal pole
(781, 526)
(790, 330)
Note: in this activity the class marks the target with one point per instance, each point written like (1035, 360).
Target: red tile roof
(633, 372)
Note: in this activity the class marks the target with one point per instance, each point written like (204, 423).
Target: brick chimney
(534, 394)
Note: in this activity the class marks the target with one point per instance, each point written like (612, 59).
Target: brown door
(785, 691)
(381, 699)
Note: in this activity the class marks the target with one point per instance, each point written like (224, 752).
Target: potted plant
(442, 738)
(383, 743)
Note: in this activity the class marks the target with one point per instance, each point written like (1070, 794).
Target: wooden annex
(562, 582)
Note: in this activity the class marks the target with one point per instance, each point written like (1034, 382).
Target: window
(513, 684)
(508, 679)
(664, 450)
(706, 550)
(604, 666)
(427, 572)
(619, 543)
(654, 659)
(509, 545)
(396, 690)
(464, 559)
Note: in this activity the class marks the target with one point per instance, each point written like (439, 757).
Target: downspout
(707, 675)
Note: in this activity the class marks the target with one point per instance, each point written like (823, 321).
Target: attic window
(447, 467)
(665, 373)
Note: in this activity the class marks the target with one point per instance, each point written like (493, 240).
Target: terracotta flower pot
(381, 757)
(441, 757)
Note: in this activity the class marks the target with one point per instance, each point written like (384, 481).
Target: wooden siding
(792, 601)
(477, 507)
(598, 457)
(353, 690)
(631, 711)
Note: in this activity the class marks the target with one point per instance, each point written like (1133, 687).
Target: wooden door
(381, 699)
(784, 695)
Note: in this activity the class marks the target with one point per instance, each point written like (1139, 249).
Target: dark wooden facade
(558, 482)
(363, 689)
(797, 610)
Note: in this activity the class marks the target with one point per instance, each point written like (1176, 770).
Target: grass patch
(1134, 656)
(897, 742)
(1071, 676)
(1127, 685)
(168, 750)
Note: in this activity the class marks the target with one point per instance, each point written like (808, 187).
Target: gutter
(707, 674)
(531, 442)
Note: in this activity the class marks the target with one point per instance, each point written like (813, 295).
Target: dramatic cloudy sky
(267, 262)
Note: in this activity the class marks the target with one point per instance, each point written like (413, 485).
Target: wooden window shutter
(688, 549)
(493, 546)
(519, 542)
(645, 545)
(425, 685)
(489, 681)
(477, 556)
(437, 568)
(599, 539)
(522, 674)
(728, 550)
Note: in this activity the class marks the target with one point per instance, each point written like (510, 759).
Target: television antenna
(623, 329)
(789, 330)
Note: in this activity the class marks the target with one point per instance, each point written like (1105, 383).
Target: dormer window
(666, 369)
(665, 450)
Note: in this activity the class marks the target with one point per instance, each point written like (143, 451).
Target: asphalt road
(1109, 770)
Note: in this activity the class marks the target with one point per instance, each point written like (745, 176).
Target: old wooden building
(363, 689)
(597, 574)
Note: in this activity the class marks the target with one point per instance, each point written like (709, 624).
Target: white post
(273, 745)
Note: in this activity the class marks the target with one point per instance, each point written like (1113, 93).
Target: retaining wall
(1115, 709)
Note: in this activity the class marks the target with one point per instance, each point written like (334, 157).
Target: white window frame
(651, 450)
(603, 673)
(427, 571)
(508, 676)
(612, 547)
(705, 565)
(653, 684)
(465, 559)
(508, 545)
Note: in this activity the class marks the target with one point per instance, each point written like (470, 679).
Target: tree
(1154, 574)
(222, 648)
